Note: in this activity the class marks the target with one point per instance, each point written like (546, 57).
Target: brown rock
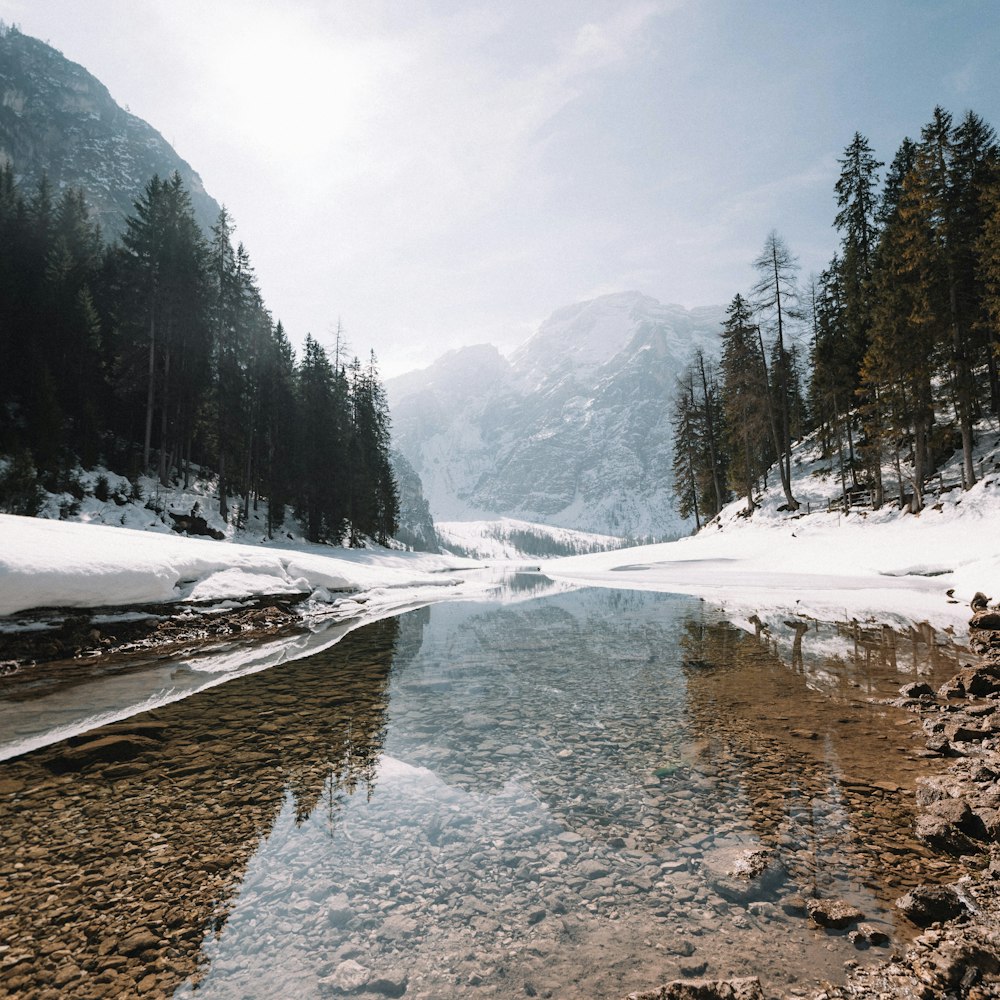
(147, 983)
(928, 904)
(917, 689)
(138, 941)
(742, 873)
(705, 989)
(834, 913)
(973, 681)
(938, 833)
(985, 620)
(872, 934)
(113, 749)
(964, 732)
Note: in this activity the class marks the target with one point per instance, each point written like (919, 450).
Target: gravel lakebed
(398, 816)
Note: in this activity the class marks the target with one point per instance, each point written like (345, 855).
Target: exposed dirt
(73, 643)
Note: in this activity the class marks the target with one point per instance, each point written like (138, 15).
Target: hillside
(60, 121)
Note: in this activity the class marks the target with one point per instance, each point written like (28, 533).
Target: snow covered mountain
(58, 120)
(571, 430)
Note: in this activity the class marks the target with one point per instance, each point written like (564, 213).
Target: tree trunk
(919, 461)
(151, 391)
(840, 456)
(748, 473)
(786, 485)
(963, 388)
(852, 461)
(694, 494)
(785, 453)
(163, 418)
(899, 479)
(710, 430)
(223, 498)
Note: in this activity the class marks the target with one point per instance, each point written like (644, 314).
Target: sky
(433, 173)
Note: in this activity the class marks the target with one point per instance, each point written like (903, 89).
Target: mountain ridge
(58, 120)
(571, 429)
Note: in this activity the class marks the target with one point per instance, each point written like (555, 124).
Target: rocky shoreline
(49, 635)
(957, 955)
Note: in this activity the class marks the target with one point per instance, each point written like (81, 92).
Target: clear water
(518, 798)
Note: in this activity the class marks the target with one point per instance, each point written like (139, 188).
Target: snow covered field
(885, 565)
(506, 538)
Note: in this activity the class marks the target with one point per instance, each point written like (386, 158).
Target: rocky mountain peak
(58, 120)
(572, 432)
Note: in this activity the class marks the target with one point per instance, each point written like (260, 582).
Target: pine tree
(856, 220)
(320, 447)
(714, 459)
(988, 271)
(946, 171)
(898, 367)
(974, 169)
(833, 372)
(278, 423)
(164, 268)
(687, 446)
(742, 394)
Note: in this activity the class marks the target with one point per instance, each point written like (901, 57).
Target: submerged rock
(743, 874)
(110, 749)
(836, 914)
(348, 977)
(705, 989)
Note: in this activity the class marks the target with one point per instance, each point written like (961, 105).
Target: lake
(536, 795)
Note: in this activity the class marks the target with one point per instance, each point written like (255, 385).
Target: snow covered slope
(571, 431)
(46, 563)
(827, 564)
(508, 538)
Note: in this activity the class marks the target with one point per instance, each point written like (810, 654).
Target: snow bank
(47, 563)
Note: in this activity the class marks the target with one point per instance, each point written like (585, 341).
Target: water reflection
(520, 798)
(122, 847)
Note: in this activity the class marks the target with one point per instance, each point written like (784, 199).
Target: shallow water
(520, 798)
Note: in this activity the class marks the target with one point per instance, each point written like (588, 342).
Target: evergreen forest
(890, 355)
(157, 354)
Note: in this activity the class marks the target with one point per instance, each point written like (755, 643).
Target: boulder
(705, 989)
(837, 914)
(987, 620)
(962, 731)
(929, 904)
(977, 682)
(742, 873)
(937, 832)
(917, 689)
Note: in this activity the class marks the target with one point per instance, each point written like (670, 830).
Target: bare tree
(775, 297)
